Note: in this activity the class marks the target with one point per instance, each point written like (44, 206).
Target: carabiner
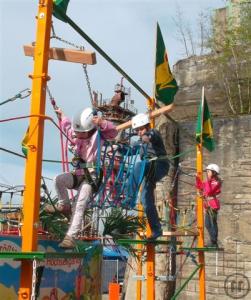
(24, 93)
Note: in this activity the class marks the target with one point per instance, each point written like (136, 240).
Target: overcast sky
(124, 29)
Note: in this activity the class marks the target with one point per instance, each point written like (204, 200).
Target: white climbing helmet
(213, 167)
(140, 120)
(82, 121)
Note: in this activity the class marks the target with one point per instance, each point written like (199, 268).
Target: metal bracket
(139, 277)
(165, 278)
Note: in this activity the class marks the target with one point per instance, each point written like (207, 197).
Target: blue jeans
(153, 172)
(211, 225)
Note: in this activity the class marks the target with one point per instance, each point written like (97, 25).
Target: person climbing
(210, 189)
(87, 133)
(151, 147)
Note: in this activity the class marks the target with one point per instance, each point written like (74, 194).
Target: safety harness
(81, 173)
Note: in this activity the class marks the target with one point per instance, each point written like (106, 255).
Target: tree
(230, 57)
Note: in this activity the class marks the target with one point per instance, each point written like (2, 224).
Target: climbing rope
(55, 107)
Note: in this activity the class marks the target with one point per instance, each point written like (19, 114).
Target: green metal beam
(185, 283)
(204, 249)
(39, 255)
(144, 242)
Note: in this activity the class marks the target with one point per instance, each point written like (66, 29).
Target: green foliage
(55, 224)
(231, 58)
(118, 224)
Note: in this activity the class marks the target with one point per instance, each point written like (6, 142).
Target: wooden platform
(177, 233)
(180, 233)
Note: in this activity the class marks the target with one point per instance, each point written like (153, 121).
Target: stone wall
(233, 155)
(192, 74)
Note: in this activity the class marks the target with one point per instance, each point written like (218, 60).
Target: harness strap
(87, 165)
(94, 183)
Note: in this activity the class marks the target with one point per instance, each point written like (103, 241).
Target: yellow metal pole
(35, 147)
(150, 248)
(200, 212)
(139, 266)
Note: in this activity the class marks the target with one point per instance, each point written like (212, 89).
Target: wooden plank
(70, 55)
(180, 233)
(177, 233)
(153, 114)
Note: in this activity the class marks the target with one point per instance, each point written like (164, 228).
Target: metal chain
(34, 279)
(53, 102)
(65, 41)
(49, 93)
(88, 82)
(54, 36)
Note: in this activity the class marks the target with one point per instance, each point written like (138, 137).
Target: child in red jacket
(210, 189)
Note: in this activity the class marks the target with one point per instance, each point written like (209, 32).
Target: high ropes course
(114, 166)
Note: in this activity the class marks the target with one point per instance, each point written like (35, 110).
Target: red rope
(62, 145)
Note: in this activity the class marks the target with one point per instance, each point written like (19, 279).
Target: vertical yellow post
(139, 267)
(200, 212)
(35, 147)
(150, 248)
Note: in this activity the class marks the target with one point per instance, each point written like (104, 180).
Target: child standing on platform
(210, 190)
(87, 133)
(151, 147)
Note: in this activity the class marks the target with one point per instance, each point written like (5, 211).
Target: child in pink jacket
(84, 136)
(210, 189)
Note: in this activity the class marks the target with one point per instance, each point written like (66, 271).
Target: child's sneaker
(67, 243)
(212, 245)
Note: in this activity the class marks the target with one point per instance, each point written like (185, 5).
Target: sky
(124, 29)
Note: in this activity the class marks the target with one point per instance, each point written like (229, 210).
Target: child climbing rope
(210, 189)
(87, 133)
(151, 147)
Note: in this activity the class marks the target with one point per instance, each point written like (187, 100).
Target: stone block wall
(233, 155)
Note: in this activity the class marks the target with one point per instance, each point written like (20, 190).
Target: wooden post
(200, 212)
(34, 158)
(152, 114)
(70, 55)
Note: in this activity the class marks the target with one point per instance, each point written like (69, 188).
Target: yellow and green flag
(60, 5)
(204, 127)
(165, 84)
(25, 142)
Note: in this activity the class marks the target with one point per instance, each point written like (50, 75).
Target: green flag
(25, 142)
(165, 84)
(60, 5)
(205, 127)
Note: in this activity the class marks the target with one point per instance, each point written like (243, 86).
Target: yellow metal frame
(36, 131)
(34, 167)
(200, 224)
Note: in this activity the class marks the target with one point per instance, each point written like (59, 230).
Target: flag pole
(200, 212)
